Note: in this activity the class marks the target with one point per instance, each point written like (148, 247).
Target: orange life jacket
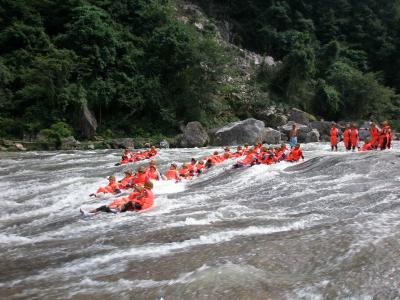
(171, 175)
(354, 137)
(140, 178)
(111, 187)
(147, 200)
(333, 135)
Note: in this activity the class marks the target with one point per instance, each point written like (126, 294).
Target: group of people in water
(140, 183)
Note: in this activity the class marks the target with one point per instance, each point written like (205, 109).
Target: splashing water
(326, 228)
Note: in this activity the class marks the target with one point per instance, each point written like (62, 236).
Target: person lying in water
(140, 199)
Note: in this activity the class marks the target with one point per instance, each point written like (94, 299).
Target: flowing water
(327, 228)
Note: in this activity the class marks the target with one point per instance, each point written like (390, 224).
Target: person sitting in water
(184, 171)
(228, 151)
(140, 176)
(367, 146)
(112, 187)
(295, 154)
(153, 173)
(209, 163)
(152, 152)
(265, 157)
(239, 152)
(126, 156)
(172, 173)
(126, 181)
(200, 167)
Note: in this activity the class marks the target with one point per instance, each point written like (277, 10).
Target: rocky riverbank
(310, 130)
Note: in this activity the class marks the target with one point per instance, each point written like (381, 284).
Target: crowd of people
(140, 183)
(379, 138)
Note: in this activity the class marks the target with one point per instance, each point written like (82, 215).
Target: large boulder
(164, 144)
(312, 136)
(248, 131)
(85, 123)
(272, 117)
(323, 127)
(69, 143)
(122, 143)
(194, 135)
(363, 131)
(301, 117)
(271, 136)
(302, 131)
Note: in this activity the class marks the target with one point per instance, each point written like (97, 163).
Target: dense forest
(142, 71)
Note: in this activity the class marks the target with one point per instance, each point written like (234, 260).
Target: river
(325, 228)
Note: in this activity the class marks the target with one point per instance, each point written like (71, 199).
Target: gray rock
(248, 131)
(164, 144)
(312, 136)
(122, 143)
(85, 123)
(323, 127)
(91, 147)
(69, 143)
(271, 136)
(19, 147)
(301, 117)
(3, 148)
(272, 119)
(194, 135)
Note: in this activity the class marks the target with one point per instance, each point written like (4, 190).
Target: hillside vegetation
(142, 71)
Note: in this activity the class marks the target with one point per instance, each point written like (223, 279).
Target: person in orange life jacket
(139, 199)
(228, 151)
(367, 145)
(152, 173)
(200, 167)
(172, 173)
(346, 137)
(295, 154)
(374, 133)
(280, 153)
(140, 176)
(126, 156)
(126, 181)
(192, 165)
(385, 136)
(249, 160)
(209, 163)
(354, 137)
(152, 151)
(265, 156)
(184, 171)
(239, 152)
(215, 158)
(334, 132)
(112, 187)
(144, 200)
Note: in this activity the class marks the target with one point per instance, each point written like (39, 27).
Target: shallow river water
(325, 228)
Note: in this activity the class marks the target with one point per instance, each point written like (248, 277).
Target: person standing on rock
(334, 136)
(293, 136)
